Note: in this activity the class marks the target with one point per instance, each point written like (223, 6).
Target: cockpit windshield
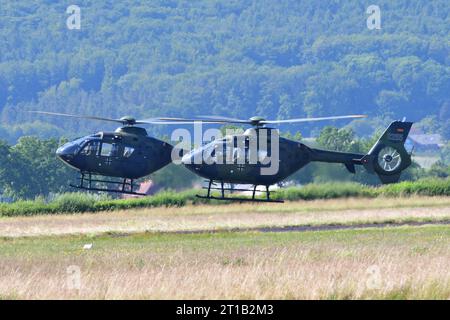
(73, 147)
(90, 147)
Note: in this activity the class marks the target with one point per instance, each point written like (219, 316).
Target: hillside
(278, 59)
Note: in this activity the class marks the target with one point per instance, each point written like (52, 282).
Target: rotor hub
(256, 121)
(128, 121)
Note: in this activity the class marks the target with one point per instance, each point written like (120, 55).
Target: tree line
(277, 59)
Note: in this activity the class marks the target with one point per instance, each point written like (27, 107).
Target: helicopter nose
(65, 152)
(187, 159)
(60, 151)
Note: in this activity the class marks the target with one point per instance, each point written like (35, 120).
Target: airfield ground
(348, 248)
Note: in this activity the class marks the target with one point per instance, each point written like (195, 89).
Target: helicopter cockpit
(72, 148)
(94, 146)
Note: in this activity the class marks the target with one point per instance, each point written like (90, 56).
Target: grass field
(40, 256)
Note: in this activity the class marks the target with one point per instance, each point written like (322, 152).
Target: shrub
(326, 191)
(75, 202)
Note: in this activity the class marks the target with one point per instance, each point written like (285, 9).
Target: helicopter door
(131, 160)
(109, 153)
(87, 157)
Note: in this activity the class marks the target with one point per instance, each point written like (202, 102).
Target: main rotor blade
(196, 120)
(227, 119)
(171, 121)
(160, 121)
(203, 119)
(312, 119)
(76, 116)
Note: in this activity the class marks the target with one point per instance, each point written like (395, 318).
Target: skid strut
(211, 186)
(125, 185)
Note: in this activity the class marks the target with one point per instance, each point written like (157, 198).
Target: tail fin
(388, 157)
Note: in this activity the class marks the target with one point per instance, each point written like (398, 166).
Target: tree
(333, 138)
(30, 169)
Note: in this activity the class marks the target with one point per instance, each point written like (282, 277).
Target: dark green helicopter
(229, 159)
(127, 153)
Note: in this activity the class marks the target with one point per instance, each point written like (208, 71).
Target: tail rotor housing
(388, 157)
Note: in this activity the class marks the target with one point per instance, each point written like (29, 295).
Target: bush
(326, 191)
(26, 208)
(425, 187)
(75, 202)
(82, 202)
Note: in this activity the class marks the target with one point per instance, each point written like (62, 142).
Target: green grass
(81, 202)
(45, 246)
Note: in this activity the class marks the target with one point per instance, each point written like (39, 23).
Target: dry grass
(402, 262)
(208, 217)
(399, 263)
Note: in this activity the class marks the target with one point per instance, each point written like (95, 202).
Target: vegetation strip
(81, 202)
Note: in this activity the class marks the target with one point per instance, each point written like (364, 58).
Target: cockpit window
(128, 151)
(90, 148)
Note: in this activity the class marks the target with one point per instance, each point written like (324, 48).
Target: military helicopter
(127, 153)
(229, 159)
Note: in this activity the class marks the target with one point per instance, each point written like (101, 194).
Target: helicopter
(127, 153)
(229, 159)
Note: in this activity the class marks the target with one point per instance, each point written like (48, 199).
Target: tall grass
(83, 202)
(397, 263)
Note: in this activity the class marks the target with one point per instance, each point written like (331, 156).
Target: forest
(276, 59)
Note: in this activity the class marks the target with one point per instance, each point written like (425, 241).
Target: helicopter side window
(239, 155)
(218, 153)
(262, 155)
(90, 148)
(127, 152)
(106, 149)
(115, 150)
(240, 150)
(247, 150)
(109, 149)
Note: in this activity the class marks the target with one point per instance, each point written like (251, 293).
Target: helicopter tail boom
(348, 159)
(387, 158)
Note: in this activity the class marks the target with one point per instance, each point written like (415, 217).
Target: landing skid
(107, 190)
(125, 186)
(211, 186)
